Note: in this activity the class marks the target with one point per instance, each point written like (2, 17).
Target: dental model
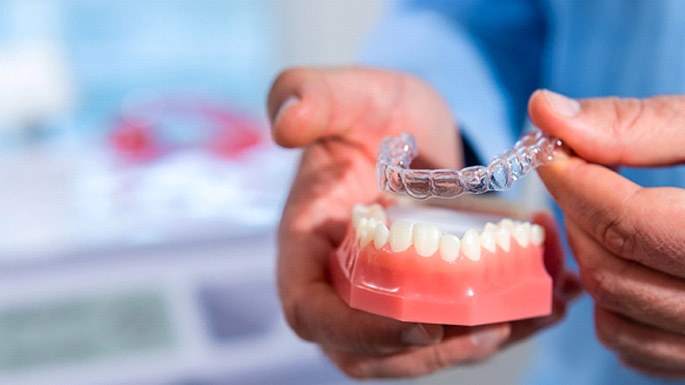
(461, 269)
(532, 150)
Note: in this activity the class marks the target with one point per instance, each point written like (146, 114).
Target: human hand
(339, 117)
(629, 241)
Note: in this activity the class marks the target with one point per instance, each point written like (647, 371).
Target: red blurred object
(151, 130)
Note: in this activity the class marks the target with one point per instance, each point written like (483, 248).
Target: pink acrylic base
(501, 286)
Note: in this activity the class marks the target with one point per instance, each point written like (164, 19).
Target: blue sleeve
(483, 56)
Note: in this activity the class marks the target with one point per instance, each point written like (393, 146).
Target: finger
(635, 223)
(462, 345)
(651, 369)
(641, 344)
(362, 105)
(312, 227)
(613, 131)
(626, 287)
(317, 314)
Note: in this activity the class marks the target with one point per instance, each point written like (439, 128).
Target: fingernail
(291, 101)
(422, 335)
(561, 104)
(489, 337)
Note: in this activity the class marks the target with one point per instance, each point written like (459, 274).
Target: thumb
(360, 105)
(614, 131)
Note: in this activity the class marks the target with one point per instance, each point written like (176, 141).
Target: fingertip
(289, 125)
(538, 109)
(294, 108)
(423, 334)
(490, 337)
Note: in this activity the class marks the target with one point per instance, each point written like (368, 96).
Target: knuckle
(617, 237)
(354, 370)
(627, 114)
(292, 312)
(436, 360)
(599, 285)
(605, 334)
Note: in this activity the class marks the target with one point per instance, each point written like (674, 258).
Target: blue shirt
(486, 57)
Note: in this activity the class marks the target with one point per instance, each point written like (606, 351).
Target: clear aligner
(396, 153)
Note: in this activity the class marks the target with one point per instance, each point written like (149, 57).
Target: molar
(373, 211)
(537, 234)
(521, 233)
(507, 224)
(490, 227)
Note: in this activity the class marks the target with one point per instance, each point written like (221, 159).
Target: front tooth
(426, 239)
(382, 234)
(503, 238)
(400, 235)
(522, 233)
(449, 247)
(470, 245)
(369, 232)
(537, 234)
(487, 241)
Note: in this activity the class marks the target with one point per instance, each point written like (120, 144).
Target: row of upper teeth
(370, 224)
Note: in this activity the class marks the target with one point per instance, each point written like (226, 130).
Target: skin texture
(629, 241)
(339, 116)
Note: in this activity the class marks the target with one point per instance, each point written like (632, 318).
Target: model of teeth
(441, 266)
(371, 226)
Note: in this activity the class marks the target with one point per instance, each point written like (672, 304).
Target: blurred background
(139, 190)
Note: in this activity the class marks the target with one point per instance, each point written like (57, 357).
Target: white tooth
(382, 234)
(490, 227)
(358, 213)
(369, 232)
(507, 224)
(487, 241)
(503, 238)
(400, 235)
(521, 233)
(470, 245)
(361, 212)
(537, 234)
(449, 247)
(426, 239)
(376, 211)
(361, 224)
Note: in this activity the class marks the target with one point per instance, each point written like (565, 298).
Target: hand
(629, 241)
(339, 117)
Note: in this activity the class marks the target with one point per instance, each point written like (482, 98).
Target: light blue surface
(486, 57)
(120, 52)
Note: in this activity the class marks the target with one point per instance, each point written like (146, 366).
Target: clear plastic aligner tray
(396, 153)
